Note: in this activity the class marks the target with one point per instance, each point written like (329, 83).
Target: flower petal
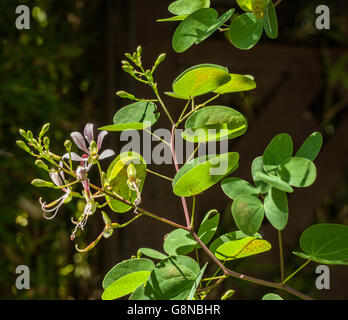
(106, 153)
(74, 157)
(101, 136)
(88, 132)
(79, 141)
(56, 178)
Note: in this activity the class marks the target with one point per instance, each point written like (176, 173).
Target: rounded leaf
(298, 172)
(151, 253)
(271, 296)
(201, 173)
(276, 208)
(248, 213)
(136, 116)
(310, 147)
(238, 83)
(118, 176)
(241, 248)
(234, 187)
(208, 226)
(200, 79)
(179, 242)
(257, 166)
(277, 152)
(214, 123)
(172, 279)
(258, 7)
(245, 31)
(181, 7)
(244, 4)
(325, 243)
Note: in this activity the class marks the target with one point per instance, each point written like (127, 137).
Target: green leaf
(125, 277)
(39, 183)
(181, 7)
(276, 208)
(136, 116)
(214, 123)
(311, 147)
(117, 176)
(197, 282)
(238, 83)
(278, 151)
(200, 79)
(208, 226)
(214, 26)
(245, 31)
(125, 267)
(197, 27)
(201, 173)
(227, 294)
(189, 31)
(271, 296)
(270, 22)
(257, 166)
(234, 235)
(298, 172)
(275, 181)
(241, 248)
(248, 213)
(325, 243)
(125, 285)
(175, 18)
(258, 7)
(244, 4)
(234, 187)
(151, 253)
(179, 242)
(172, 279)
(139, 294)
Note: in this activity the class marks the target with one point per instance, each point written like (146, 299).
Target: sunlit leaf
(214, 123)
(181, 7)
(201, 173)
(258, 7)
(179, 242)
(234, 187)
(136, 116)
(174, 18)
(238, 83)
(197, 282)
(274, 181)
(244, 4)
(257, 166)
(200, 79)
(271, 296)
(151, 253)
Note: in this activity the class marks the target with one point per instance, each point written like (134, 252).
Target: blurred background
(66, 69)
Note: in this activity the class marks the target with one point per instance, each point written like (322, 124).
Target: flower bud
(44, 129)
(23, 134)
(29, 135)
(42, 183)
(67, 145)
(108, 232)
(125, 95)
(39, 163)
(46, 142)
(128, 56)
(227, 294)
(23, 146)
(160, 58)
(139, 51)
(131, 172)
(106, 218)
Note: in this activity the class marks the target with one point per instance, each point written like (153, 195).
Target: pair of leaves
(136, 116)
(117, 177)
(325, 243)
(197, 27)
(246, 30)
(205, 78)
(201, 173)
(236, 245)
(180, 241)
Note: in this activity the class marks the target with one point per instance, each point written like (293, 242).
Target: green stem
(296, 271)
(157, 137)
(159, 175)
(193, 153)
(115, 225)
(281, 255)
(154, 88)
(214, 278)
(183, 112)
(193, 210)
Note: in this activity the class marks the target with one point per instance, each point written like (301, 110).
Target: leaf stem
(157, 137)
(160, 175)
(281, 255)
(296, 271)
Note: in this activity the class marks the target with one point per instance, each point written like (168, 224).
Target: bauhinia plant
(177, 272)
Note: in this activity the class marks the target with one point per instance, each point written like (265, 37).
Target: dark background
(66, 70)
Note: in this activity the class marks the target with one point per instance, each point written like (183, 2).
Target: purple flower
(58, 180)
(93, 147)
